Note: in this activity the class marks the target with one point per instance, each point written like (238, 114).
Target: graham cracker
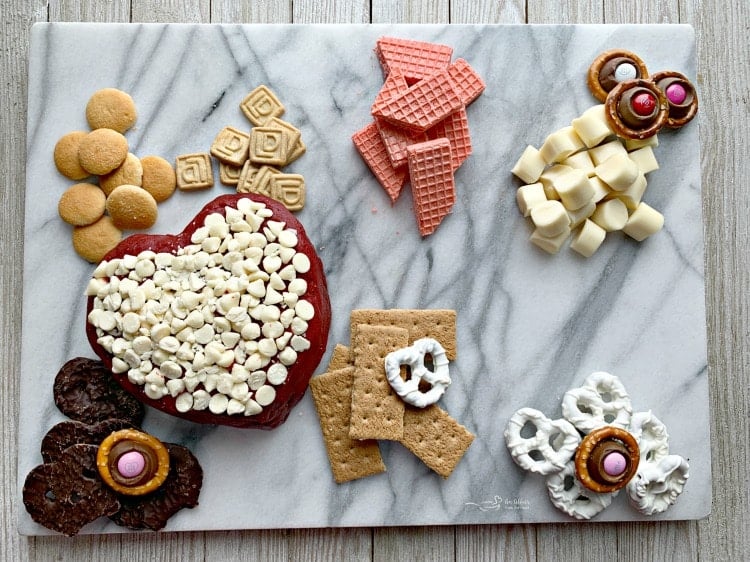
(435, 438)
(350, 459)
(437, 324)
(377, 411)
(340, 358)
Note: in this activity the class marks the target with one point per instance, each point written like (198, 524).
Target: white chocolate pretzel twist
(413, 356)
(602, 400)
(555, 441)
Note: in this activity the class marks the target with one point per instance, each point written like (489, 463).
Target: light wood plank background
(724, 56)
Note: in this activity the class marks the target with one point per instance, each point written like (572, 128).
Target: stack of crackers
(357, 406)
(420, 131)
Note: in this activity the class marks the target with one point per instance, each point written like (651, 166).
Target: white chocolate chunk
(548, 178)
(588, 239)
(527, 196)
(601, 189)
(560, 144)
(601, 152)
(633, 194)
(580, 161)
(579, 215)
(645, 159)
(550, 244)
(635, 144)
(618, 171)
(592, 126)
(611, 215)
(574, 189)
(529, 166)
(644, 222)
(550, 219)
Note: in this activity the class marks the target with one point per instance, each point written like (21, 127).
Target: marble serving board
(530, 325)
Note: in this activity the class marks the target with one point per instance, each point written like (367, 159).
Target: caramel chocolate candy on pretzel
(636, 109)
(607, 459)
(132, 462)
(681, 97)
(611, 68)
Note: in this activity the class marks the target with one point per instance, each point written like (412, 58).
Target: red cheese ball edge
(291, 391)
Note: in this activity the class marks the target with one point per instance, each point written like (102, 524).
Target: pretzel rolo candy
(611, 68)
(132, 462)
(636, 109)
(681, 97)
(607, 459)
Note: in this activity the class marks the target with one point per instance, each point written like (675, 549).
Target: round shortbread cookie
(94, 241)
(102, 150)
(132, 207)
(129, 172)
(82, 204)
(112, 109)
(66, 156)
(159, 178)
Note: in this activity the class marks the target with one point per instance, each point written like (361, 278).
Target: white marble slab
(530, 326)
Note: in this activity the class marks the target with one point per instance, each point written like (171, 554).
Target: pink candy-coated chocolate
(676, 93)
(614, 464)
(131, 464)
(644, 103)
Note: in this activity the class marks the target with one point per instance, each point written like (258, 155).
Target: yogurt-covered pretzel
(413, 356)
(550, 448)
(657, 484)
(651, 434)
(601, 400)
(568, 495)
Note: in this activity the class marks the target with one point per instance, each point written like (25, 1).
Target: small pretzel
(586, 408)
(554, 440)
(657, 484)
(651, 435)
(568, 495)
(413, 356)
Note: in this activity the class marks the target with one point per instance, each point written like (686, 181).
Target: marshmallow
(645, 159)
(529, 166)
(560, 144)
(588, 239)
(551, 218)
(529, 196)
(574, 189)
(611, 215)
(618, 171)
(644, 222)
(592, 126)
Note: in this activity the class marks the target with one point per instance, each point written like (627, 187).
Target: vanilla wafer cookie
(415, 59)
(433, 186)
(424, 104)
(377, 411)
(350, 458)
(66, 156)
(370, 145)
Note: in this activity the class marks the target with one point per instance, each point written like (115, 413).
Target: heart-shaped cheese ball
(223, 323)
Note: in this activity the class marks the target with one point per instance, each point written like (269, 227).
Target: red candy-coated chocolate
(644, 104)
(290, 392)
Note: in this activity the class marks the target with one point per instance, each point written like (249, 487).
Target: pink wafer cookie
(433, 187)
(415, 59)
(466, 81)
(371, 147)
(396, 140)
(455, 128)
(424, 104)
(394, 85)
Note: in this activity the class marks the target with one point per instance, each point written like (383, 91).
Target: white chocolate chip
(184, 402)
(305, 310)
(252, 408)
(218, 404)
(277, 374)
(265, 395)
(301, 263)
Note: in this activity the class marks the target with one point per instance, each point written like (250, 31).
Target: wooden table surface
(724, 53)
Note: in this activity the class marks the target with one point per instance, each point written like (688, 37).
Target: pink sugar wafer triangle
(433, 186)
(370, 145)
(415, 59)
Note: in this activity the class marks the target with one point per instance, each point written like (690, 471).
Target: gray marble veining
(530, 326)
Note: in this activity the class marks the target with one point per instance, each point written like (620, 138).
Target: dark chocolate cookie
(68, 433)
(68, 494)
(85, 391)
(180, 489)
